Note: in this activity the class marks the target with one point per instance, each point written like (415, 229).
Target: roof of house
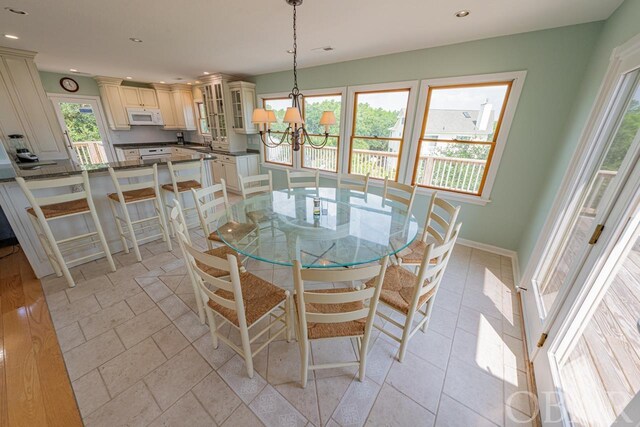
(459, 121)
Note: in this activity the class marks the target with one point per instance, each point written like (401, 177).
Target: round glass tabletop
(352, 228)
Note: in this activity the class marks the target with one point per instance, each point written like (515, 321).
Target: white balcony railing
(451, 173)
(90, 152)
(325, 158)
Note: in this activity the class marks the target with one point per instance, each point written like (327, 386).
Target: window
(203, 124)
(326, 158)
(378, 132)
(460, 130)
(282, 154)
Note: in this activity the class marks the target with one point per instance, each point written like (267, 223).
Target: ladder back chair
(439, 225)
(144, 190)
(303, 179)
(184, 177)
(401, 193)
(349, 181)
(256, 184)
(211, 207)
(179, 223)
(239, 299)
(336, 312)
(74, 201)
(406, 293)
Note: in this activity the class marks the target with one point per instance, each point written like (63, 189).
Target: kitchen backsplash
(139, 134)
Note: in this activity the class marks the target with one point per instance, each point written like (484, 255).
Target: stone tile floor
(137, 354)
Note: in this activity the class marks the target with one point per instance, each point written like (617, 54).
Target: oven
(155, 153)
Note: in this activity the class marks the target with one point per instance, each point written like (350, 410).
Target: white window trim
(518, 78)
(297, 160)
(412, 85)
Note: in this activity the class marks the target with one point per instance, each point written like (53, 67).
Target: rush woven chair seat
(329, 330)
(62, 209)
(336, 313)
(233, 227)
(241, 300)
(183, 186)
(441, 219)
(258, 296)
(58, 198)
(134, 195)
(133, 187)
(256, 184)
(398, 289)
(407, 293)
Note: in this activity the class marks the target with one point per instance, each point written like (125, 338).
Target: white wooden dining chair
(407, 293)
(184, 177)
(439, 224)
(241, 300)
(252, 185)
(401, 193)
(179, 223)
(336, 312)
(211, 204)
(354, 182)
(303, 179)
(144, 190)
(73, 197)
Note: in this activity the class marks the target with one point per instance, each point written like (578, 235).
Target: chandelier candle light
(296, 133)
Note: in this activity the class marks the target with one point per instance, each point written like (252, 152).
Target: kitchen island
(14, 202)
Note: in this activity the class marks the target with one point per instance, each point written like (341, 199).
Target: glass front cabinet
(228, 106)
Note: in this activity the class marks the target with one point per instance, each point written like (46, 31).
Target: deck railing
(325, 158)
(451, 173)
(90, 152)
(602, 181)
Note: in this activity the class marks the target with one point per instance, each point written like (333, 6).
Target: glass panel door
(82, 129)
(594, 199)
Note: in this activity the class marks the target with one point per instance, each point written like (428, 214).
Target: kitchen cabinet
(167, 107)
(216, 97)
(25, 108)
(243, 101)
(111, 98)
(127, 154)
(229, 167)
(184, 108)
(136, 97)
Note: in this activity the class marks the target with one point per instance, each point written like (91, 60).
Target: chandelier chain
(295, 50)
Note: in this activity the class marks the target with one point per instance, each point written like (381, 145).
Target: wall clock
(69, 84)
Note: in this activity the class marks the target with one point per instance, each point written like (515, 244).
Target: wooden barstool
(64, 205)
(184, 177)
(135, 193)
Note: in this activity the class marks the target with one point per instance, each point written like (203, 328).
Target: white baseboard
(498, 251)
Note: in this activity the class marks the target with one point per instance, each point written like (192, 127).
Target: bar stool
(64, 205)
(135, 193)
(184, 177)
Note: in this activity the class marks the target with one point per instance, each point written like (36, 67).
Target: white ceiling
(185, 38)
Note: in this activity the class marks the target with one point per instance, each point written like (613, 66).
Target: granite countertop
(188, 145)
(9, 172)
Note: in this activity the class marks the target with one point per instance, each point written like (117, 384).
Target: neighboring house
(462, 125)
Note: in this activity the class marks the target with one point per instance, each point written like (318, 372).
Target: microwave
(145, 116)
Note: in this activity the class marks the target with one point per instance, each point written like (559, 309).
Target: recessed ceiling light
(189, 83)
(162, 82)
(128, 77)
(133, 39)
(206, 73)
(16, 11)
(462, 13)
(11, 36)
(197, 81)
(290, 51)
(73, 70)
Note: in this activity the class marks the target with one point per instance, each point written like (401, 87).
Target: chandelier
(295, 134)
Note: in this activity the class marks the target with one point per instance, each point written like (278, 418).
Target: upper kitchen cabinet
(166, 105)
(136, 97)
(243, 101)
(184, 107)
(112, 102)
(25, 108)
(216, 98)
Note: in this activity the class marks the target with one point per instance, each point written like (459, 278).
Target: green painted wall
(555, 61)
(51, 83)
(622, 25)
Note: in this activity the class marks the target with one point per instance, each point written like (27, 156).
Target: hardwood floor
(34, 385)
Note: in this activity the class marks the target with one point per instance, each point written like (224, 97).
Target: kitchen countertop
(188, 145)
(9, 172)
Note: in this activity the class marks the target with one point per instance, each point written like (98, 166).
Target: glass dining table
(351, 227)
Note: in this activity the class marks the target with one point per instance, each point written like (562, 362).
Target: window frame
(275, 97)
(297, 159)
(200, 117)
(517, 79)
(318, 94)
(412, 87)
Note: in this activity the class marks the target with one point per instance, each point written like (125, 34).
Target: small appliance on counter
(23, 155)
(180, 137)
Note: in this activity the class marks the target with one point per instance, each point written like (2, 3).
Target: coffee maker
(180, 137)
